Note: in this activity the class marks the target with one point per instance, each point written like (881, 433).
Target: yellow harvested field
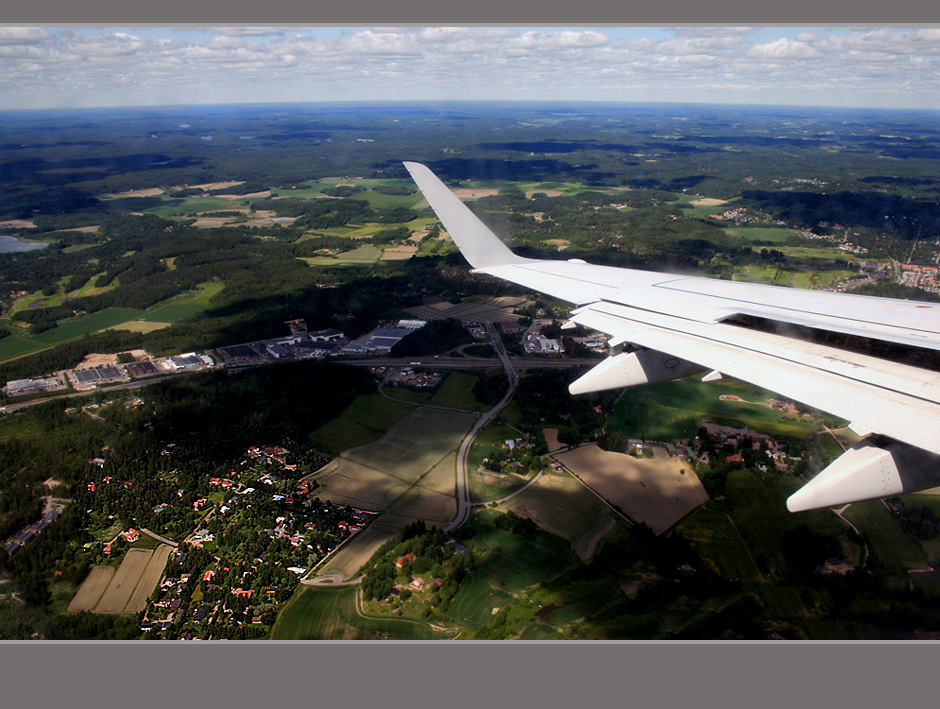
(210, 185)
(211, 222)
(435, 508)
(658, 492)
(149, 579)
(348, 560)
(415, 444)
(122, 586)
(442, 477)
(148, 192)
(350, 483)
(140, 326)
(565, 507)
(264, 193)
(18, 224)
(708, 202)
(472, 193)
(83, 229)
(399, 253)
(90, 592)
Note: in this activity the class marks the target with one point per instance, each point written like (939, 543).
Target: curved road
(463, 455)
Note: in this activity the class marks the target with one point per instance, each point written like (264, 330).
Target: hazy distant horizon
(443, 103)
(113, 67)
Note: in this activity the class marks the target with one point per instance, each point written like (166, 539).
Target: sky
(79, 67)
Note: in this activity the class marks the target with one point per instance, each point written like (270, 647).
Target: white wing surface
(846, 354)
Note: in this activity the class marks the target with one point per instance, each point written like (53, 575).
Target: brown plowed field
(148, 580)
(125, 580)
(654, 491)
(89, 593)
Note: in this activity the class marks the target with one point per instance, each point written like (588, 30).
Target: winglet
(480, 246)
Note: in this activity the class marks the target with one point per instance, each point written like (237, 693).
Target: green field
(896, 550)
(415, 443)
(331, 614)
(814, 253)
(488, 485)
(474, 603)
(805, 279)
(172, 310)
(671, 410)
(776, 234)
(518, 563)
(165, 206)
(365, 420)
(358, 231)
(741, 539)
(87, 324)
(184, 306)
(362, 255)
(413, 396)
(701, 211)
(377, 200)
(489, 442)
(456, 392)
(16, 346)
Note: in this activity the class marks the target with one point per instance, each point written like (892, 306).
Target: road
(429, 362)
(10, 408)
(470, 362)
(463, 455)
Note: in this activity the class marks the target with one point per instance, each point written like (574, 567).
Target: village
(257, 530)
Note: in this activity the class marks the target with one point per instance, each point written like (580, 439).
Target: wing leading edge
(676, 325)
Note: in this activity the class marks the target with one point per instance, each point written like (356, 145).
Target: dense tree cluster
(437, 337)
(430, 556)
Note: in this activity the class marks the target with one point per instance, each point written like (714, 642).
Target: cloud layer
(42, 68)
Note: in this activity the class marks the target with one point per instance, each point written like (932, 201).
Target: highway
(511, 366)
(471, 362)
(463, 455)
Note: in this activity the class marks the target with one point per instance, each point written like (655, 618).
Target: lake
(9, 244)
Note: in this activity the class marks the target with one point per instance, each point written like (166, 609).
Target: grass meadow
(332, 614)
(672, 410)
(365, 420)
(363, 255)
(778, 235)
(897, 551)
(474, 603)
(518, 563)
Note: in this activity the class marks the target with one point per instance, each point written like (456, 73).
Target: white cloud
(251, 31)
(566, 39)
(23, 35)
(698, 45)
(383, 43)
(881, 65)
(733, 32)
(784, 49)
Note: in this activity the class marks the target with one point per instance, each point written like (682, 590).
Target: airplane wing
(861, 358)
